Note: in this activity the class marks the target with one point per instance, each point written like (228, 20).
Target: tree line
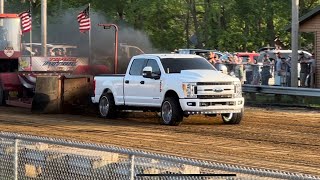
(226, 25)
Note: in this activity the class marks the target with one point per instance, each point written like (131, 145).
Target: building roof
(309, 15)
(306, 17)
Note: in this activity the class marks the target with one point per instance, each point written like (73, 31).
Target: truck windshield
(176, 65)
(10, 33)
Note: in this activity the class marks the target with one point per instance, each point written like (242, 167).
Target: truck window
(9, 33)
(245, 59)
(176, 65)
(155, 68)
(137, 66)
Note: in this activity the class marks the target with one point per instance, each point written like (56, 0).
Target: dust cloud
(65, 30)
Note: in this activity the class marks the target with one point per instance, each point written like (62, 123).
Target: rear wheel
(232, 118)
(107, 107)
(171, 112)
(2, 97)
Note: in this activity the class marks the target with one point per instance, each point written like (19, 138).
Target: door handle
(141, 82)
(127, 81)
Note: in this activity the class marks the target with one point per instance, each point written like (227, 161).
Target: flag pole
(89, 61)
(30, 8)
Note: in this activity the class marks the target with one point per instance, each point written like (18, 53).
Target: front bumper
(212, 106)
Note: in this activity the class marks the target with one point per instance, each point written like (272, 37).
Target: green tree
(231, 25)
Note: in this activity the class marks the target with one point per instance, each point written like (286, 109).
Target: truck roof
(168, 55)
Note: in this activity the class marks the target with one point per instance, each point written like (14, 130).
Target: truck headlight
(237, 89)
(189, 90)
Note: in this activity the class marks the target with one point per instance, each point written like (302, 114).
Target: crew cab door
(141, 91)
(133, 93)
(152, 85)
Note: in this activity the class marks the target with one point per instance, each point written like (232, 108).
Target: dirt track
(273, 139)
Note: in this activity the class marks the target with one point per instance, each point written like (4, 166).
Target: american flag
(84, 20)
(26, 22)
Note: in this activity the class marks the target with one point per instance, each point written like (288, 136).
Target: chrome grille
(225, 96)
(214, 83)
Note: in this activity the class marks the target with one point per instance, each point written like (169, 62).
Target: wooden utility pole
(1, 6)
(294, 43)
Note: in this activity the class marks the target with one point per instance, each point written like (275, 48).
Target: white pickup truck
(176, 85)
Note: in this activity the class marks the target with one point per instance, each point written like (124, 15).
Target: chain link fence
(31, 157)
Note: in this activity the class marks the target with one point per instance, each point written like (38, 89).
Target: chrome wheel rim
(166, 112)
(104, 106)
(228, 117)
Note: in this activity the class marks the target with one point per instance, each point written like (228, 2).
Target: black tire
(107, 107)
(171, 112)
(2, 96)
(232, 118)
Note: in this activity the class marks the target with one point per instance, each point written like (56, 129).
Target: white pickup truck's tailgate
(114, 83)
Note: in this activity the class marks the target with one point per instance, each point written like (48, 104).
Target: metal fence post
(131, 167)
(15, 161)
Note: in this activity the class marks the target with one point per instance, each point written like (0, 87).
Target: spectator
(36, 52)
(277, 68)
(59, 52)
(232, 63)
(64, 53)
(51, 53)
(238, 70)
(229, 63)
(284, 71)
(211, 58)
(277, 61)
(256, 73)
(304, 69)
(265, 73)
(248, 69)
(219, 66)
(312, 67)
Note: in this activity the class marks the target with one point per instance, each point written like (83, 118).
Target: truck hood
(205, 76)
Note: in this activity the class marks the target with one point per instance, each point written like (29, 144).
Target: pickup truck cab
(176, 85)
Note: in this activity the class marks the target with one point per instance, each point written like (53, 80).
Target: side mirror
(147, 72)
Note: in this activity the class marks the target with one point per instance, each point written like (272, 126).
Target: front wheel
(107, 107)
(171, 112)
(232, 118)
